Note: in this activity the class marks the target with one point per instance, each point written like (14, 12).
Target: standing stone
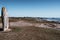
(5, 19)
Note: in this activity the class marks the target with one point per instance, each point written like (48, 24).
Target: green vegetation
(16, 29)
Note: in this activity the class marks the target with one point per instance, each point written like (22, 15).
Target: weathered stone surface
(5, 19)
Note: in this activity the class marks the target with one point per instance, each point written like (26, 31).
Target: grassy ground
(30, 33)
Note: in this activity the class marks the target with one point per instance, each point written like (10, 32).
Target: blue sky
(31, 8)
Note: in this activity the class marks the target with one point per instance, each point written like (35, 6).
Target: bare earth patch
(22, 23)
(23, 30)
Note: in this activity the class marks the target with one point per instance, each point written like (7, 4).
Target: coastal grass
(15, 29)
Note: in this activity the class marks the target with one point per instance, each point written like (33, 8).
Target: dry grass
(30, 33)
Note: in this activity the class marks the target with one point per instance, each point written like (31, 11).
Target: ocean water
(49, 19)
(52, 19)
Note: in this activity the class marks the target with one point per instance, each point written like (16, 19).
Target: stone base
(7, 30)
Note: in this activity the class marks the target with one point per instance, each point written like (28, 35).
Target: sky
(31, 8)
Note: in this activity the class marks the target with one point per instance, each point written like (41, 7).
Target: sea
(52, 19)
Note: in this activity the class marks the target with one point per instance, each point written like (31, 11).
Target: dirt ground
(30, 33)
(23, 30)
(22, 23)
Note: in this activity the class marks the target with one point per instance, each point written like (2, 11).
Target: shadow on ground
(1, 29)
